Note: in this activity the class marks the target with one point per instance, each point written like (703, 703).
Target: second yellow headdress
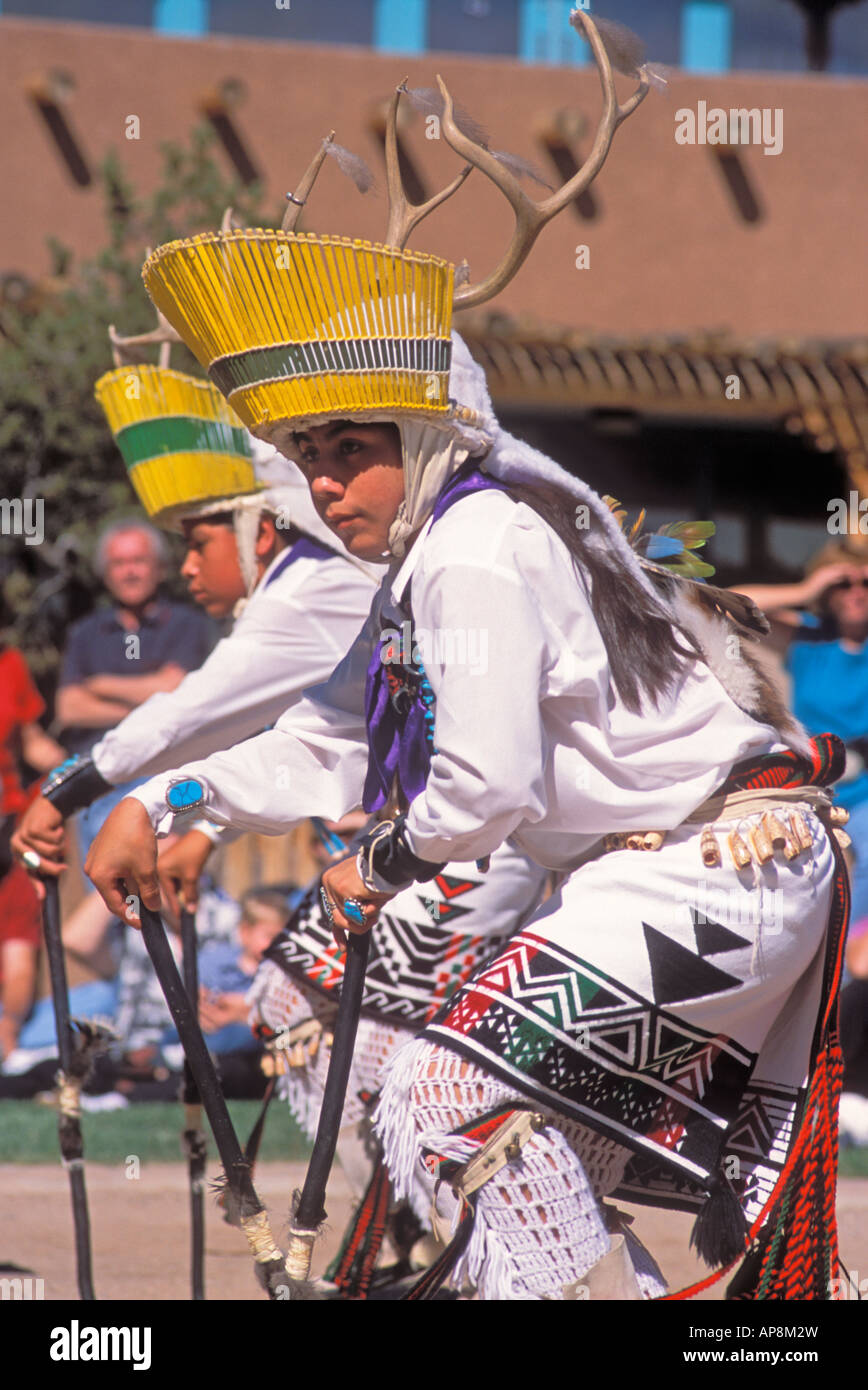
(184, 447)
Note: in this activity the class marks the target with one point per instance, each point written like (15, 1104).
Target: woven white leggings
(538, 1226)
(278, 1001)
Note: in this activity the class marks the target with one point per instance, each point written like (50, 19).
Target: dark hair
(389, 425)
(646, 657)
(270, 895)
(210, 519)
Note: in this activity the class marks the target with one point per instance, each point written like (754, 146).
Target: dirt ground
(140, 1231)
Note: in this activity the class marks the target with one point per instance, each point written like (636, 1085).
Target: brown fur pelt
(647, 655)
(728, 629)
(650, 642)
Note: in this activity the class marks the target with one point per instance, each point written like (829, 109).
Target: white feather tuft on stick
(521, 168)
(429, 101)
(624, 49)
(353, 166)
(657, 76)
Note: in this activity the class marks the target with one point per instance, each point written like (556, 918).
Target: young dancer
(663, 1026)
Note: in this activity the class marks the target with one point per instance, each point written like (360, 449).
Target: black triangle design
(712, 939)
(603, 999)
(669, 1042)
(677, 973)
(620, 1040)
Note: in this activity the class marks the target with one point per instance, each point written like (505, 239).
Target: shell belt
(782, 825)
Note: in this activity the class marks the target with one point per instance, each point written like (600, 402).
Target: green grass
(28, 1133)
(853, 1163)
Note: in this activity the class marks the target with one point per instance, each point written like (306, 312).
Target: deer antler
(230, 222)
(404, 215)
(297, 200)
(531, 216)
(164, 334)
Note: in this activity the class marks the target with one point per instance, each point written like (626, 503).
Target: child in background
(226, 970)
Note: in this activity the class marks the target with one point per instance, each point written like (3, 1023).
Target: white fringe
(397, 1132)
(649, 1275)
(303, 1095)
(486, 1266)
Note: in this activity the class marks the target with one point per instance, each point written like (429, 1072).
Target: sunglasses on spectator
(849, 584)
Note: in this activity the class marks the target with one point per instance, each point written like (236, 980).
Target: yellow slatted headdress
(300, 328)
(296, 329)
(184, 447)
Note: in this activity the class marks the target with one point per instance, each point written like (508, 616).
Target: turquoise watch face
(185, 795)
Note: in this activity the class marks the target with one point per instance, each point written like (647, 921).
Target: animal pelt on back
(652, 632)
(728, 629)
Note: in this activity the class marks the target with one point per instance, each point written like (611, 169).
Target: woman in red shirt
(20, 738)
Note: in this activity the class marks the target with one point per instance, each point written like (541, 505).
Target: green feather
(692, 534)
(689, 567)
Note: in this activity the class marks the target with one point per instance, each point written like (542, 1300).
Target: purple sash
(399, 701)
(304, 549)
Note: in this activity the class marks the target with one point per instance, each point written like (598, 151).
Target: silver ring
(327, 907)
(31, 859)
(353, 911)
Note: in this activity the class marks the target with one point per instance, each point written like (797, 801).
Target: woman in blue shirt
(823, 622)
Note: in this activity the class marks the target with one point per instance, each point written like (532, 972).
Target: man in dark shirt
(120, 655)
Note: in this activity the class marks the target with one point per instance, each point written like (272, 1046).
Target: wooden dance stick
(252, 1215)
(192, 1136)
(310, 1212)
(69, 1081)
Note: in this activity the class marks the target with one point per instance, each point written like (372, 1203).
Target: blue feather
(662, 547)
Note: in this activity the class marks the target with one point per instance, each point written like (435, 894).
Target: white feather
(521, 168)
(624, 49)
(429, 101)
(352, 165)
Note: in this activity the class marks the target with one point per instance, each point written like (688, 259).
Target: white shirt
(532, 740)
(290, 635)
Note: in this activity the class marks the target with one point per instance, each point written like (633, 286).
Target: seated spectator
(226, 970)
(149, 1050)
(21, 740)
(87, 937)
(853, 1115)
(147, 1059)
(231, 945)
(20, 937)
(822, 621)
(138, 644)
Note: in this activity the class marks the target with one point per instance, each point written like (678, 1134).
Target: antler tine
(403, 214)
(117, 355)
(531, 216)
(164, 334)
(297, 200)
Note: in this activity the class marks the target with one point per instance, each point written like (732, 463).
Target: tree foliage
(54, 442)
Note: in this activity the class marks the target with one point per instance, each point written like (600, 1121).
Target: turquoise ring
(353, 911)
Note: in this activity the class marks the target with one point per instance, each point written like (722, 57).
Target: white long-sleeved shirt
(293, 630)
(532, 740)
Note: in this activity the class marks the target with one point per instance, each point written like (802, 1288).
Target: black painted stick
(235, 1166)
(310, 1211)
(68, 1123)
(192, 1137)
